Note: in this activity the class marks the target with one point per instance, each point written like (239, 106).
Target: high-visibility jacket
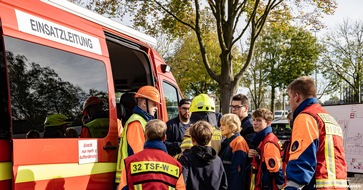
(215, 143)
(266, 165)
(152, 169)
(98, 128)
(124, 149)
(216, 139)
(317, 157)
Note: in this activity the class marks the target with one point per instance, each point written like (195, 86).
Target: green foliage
(188, 69)
(282, 54)
(342, 60)
(289, 52)
(231, 21)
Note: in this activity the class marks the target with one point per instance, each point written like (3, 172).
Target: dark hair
(53, 132)
(71, 133)
(184, 101)
(241, 97)
(33, 134)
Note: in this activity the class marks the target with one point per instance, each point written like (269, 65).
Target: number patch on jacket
(149, 166)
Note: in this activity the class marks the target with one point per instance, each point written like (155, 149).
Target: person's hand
(252, 153)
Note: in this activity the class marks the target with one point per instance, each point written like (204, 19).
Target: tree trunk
(272, 107)
(227, 91)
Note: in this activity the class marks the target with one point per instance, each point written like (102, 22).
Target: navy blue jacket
(234, 154)
(247, 131)
(175, 135)
(203, 169)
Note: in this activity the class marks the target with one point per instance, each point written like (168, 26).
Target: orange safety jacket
(132, 140)
(152, 169)
(315, 131)
(258, 169)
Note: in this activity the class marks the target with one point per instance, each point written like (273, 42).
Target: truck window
(45, 81)
(172, 98)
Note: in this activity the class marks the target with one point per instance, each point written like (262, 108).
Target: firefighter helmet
(202, 103)
(148, 92)
(92, 100)
(56, 120)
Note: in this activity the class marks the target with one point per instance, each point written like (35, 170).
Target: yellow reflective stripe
(5, 170)
(54, 171)
(138, 187)
(171, 188)
(123, 147)
(337, 183)
(217, 135)
(187, 143)
(150, 166)
(329, 156)
(252, 185)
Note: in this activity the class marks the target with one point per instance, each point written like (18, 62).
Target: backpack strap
(285, 156)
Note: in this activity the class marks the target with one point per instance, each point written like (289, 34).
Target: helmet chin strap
(147, 106)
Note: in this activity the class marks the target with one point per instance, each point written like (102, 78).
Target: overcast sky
(347, 9)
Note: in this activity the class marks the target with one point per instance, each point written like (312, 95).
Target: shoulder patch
(294, 146)
(271, 163)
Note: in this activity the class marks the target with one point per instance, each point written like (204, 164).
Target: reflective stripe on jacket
(152, 168)
(215, 143)
(317, 157)
(123, 151)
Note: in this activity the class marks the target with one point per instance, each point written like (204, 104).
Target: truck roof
(99, 19)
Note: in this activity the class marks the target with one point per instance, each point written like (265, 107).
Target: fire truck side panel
(52, 59)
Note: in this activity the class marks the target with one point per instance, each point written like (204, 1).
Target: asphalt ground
(356, 182)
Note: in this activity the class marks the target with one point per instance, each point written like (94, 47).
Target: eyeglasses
(184, 108)
(237, 107)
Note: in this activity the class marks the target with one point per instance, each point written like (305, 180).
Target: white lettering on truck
(55, 32)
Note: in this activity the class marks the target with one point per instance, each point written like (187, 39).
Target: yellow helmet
(202, 103)
(56, 120)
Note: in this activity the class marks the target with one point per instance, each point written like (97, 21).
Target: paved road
(356, 182)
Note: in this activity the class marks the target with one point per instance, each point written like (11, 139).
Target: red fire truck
(53, 55)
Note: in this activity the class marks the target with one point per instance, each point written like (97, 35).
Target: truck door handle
(110, 147)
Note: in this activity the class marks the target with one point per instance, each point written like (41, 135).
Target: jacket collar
(155, 144)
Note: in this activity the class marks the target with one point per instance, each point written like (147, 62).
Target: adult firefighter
(95, 120)
(317, 159)
(203, 108)
(132, 139)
